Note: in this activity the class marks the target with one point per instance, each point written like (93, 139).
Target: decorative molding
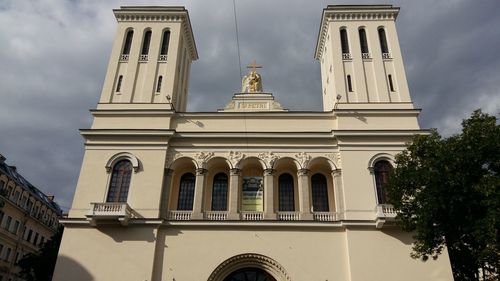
(303, 159)
(269, 158)
(235, 157)
(268, 172)
(203, 157)
(234, 172)
(302, 172)
(249, 260)
(335, 158)
(120, 156)
(200, 171)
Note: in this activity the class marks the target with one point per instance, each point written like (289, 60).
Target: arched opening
(383, 41)
(146, 42)
(319, 190)
(286, 193)
(250, 266)
(164, 42)
(186, 192)
(363, 41)
(128, 42)
(382, 170)
(120, 182)
(219, 192)
(250, 274)
(344, 41)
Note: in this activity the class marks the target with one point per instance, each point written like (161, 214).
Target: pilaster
(338, 193)
(234, 180)
(269, 213)
(198, 194)
(304, 191)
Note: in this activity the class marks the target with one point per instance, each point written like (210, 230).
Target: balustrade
(143, 57)
(288, 216)
(124, 57)
(163, 58)
(346, 56)
(252, 216)
(179, 215)
(325, 216)
(386, 55)
(216, 215)
(386, 211)
(366, 55)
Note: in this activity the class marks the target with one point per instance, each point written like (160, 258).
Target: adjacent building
(28, 218)
(253, 191)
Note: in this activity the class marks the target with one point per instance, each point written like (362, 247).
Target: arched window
(382, 169)
(164, 42)
(119, 83)
(349, 83)
(186, 192)
(391, 85)
(158, 86)
(363, 41)
(285, 192)
(343, 41)
(319, 193)
(145, 43)
(128, 42)
(383, 41)
(120, 181)
(219, 192)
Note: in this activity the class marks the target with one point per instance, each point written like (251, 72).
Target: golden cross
(254, 66)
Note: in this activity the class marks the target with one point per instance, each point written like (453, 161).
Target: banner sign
(253, 194)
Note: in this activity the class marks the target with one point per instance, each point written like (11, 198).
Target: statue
(252, 83)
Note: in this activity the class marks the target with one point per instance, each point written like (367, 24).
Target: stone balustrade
(325, 216)
(216, 215)
(179, 215)
(288, 216)
(252, 216)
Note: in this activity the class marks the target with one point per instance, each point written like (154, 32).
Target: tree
(39, 266)
(447, 192)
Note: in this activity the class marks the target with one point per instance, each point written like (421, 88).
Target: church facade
(253, 191)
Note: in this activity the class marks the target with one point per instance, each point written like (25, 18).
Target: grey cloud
(54, 56)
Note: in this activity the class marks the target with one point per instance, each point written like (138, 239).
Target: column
(269, 213)
(338, 193)
(234, 191)
(166, 193)
(198, 195)
(304, 191)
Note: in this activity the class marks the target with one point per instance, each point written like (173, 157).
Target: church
(253, 191)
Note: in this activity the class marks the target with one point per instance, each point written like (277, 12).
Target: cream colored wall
(145, 185)
(107, 253)
(385, 255)
(305, 254)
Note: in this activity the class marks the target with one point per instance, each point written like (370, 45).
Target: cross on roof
(254, 66)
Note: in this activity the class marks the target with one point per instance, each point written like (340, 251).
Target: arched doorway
(249, 267)
(249, 274)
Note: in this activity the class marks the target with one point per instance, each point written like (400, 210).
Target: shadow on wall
(69, 269)
(129, 233)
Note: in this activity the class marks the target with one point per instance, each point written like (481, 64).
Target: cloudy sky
(54, 54)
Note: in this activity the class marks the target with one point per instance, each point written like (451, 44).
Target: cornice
(351, 13)
(160, 14)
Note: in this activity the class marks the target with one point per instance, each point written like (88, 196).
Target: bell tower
(150, 60)
(361, 62)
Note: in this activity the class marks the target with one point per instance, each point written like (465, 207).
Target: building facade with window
(28, 218)
(253, 191)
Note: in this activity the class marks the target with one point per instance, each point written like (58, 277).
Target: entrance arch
(249, 274)
(251, 265)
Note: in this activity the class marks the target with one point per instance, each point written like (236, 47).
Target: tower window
(158, 86)
(119, 83)
(186, 192)
(344, 42)
(285, 191)
(391, 85)
(383, 41)
(219, 192)
(382, 169)
(146, 42)
(120, 182)
(349, 83)
(363, 41)
(164, 45)
(128, 42)
(319, 193)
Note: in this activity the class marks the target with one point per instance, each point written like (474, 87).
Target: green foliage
(447, 192)
(39, 266)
